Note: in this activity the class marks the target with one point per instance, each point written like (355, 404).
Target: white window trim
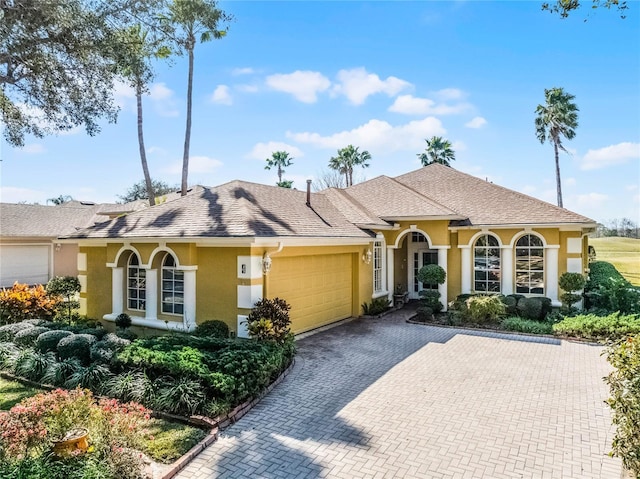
(175, 268)
(379, 268)
(499, 269)
(544, 248)
(138, 289)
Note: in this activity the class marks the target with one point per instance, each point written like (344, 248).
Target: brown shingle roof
(18, 220)
(235, 209)
(351, 209)
(482, 202)
(389, 199)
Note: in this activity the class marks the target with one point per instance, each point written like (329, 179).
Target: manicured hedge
(228, 370)
(591, 326)
(608, 291)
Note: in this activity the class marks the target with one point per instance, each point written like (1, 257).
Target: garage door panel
(24, 263)
(319, 288)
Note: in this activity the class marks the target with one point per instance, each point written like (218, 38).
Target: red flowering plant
(31, 426)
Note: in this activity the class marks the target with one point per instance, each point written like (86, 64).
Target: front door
(421, 257)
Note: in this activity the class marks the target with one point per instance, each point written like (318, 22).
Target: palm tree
(280, 160)
(60, 200)
(347, 159)
(188, 21)
(136, 51)
(438, 150)
(556, 119)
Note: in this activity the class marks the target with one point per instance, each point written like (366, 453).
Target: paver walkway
(380, 398)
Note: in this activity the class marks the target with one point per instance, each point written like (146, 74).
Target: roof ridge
(516, 192)
(363, 209)
(431, 200)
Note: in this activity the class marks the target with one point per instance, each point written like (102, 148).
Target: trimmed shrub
(424, 313)
(483, 309)
(27, 337)
(36, 322)
(510, 304)
(460, 303)
(431, 299)
(113, 342)
(76, 346)
(9, 331)
(228, 371)
(212, 329)
(624, 385)
(432, 274)
(590, 326)
(123, 321)
(99, 333)
(126, 334)
(526, 326)
(66, 287)
(48, 340)
(535, 308)
(571, 282)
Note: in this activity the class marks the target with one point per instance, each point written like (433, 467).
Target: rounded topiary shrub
(101, 355)
(99, 333)
(424, 313)
(123, 321)
(36, 322)
(112, 342)
(535, 308)
(76, 346)
(510, 304)
(212, 329)
(8, 331)
(27, 337)
(48, 340)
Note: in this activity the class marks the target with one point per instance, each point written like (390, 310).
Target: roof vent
(308, 192)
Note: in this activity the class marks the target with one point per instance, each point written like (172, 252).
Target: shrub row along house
(214, 252)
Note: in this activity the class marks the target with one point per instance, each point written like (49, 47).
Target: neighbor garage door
(319, 288)
(24, 263)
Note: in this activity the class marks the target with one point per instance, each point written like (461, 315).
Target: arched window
(530, 265)
(136, 284)
(172, 287)
(486, 265)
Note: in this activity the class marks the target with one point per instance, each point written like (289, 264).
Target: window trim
(378, 267)
(174, 269)
(529, 271)
(141, 274)
(487, 269)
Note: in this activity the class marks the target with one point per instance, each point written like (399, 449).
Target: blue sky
(313, 77)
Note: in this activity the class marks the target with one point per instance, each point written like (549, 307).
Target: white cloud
(33, 149)
(376, 135)
(356, 84)
(163, 99)
(610, 155)
(411, 105)
(450, 94)
(12, 194)
(631, 187)
(246, 88)
(477, 122)
(242, 71)
(591, 199)
(197, 164)
(262, 151)
(303, 85)
(222, 95)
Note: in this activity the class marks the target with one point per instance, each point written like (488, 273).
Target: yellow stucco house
(213, 253)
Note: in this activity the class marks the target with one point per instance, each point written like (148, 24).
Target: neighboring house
(214, 253)
(29, 250)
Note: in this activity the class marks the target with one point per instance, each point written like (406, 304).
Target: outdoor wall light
(266, 263)
(367, 256)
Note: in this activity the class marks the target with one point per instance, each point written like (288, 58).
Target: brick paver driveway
(378, 398)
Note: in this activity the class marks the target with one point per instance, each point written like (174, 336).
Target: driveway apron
(381, 398)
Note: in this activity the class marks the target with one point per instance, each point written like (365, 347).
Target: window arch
(486, 264)
(530, 265)
(172, 287)
(136, 284)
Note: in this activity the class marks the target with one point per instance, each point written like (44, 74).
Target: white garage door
(24, 263)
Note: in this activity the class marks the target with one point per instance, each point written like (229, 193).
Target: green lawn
(12, 392)
(623, 253)
(170, 439)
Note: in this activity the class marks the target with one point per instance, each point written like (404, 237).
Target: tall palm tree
(438, 150)
(348, 158)
(136, 51)
(188, 21)
(557, 118)
(279, 160)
